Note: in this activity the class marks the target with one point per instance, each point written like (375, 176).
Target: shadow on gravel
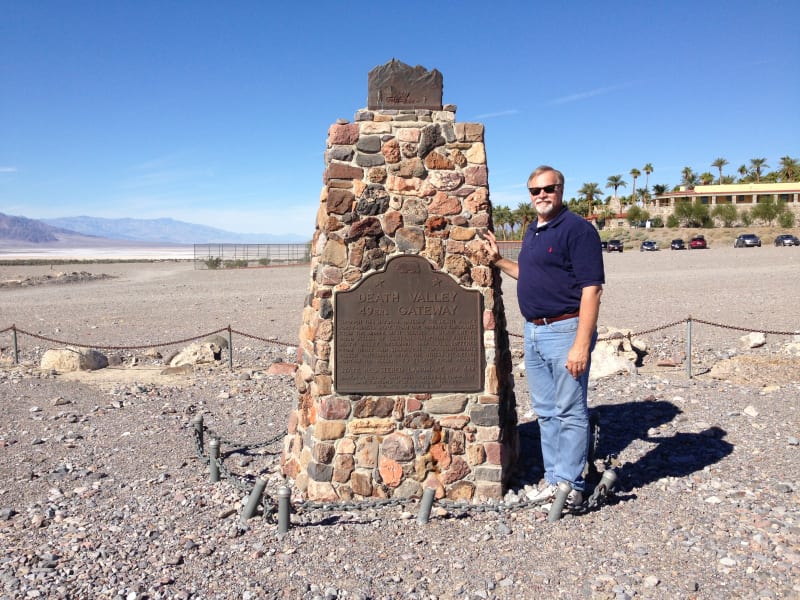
(678, 455)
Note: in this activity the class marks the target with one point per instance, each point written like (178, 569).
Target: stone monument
(405, 369)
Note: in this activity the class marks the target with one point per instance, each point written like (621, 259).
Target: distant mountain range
(158, 231)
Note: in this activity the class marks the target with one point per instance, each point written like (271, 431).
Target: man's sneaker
(574, 499)
(544, 494)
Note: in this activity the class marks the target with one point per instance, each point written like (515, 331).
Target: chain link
(749, 329)
(288, 344)
(245, 483)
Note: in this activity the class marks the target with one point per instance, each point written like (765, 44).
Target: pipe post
(426, 505)
(213, 463)
(197, 422)
(554, 514)
(254, 499)
(284, 493)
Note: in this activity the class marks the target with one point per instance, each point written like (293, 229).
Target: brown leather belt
(547, 320)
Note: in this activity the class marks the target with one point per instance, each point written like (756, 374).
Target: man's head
(546, 187)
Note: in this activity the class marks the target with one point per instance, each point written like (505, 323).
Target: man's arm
(579, 354)
(509, 267)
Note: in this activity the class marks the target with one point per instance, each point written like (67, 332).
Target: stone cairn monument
(405, 369)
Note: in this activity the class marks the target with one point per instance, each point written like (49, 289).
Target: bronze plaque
(397, 85)
(408, 329)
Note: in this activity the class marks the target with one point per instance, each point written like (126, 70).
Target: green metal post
(198, 428)
(213, 464)
(426, 505)
(559, 501)
(284, 493)
(254, 499)
(16, 349)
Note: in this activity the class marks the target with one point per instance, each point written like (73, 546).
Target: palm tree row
(511, 224)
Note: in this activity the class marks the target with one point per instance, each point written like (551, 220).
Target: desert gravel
(103, 495)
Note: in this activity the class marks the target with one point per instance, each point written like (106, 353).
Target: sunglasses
(548, 189)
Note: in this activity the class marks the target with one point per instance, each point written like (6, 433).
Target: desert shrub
(213, 262)
(236, 264)
(264, 261)
(673, 222)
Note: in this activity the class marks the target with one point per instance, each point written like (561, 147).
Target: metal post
(558, 503)
(230, 348)
(16, 349)
(426, 505)
(198, 429)
(284, 493)
(689, 347)
(213, 455)
(254, 499)
(607, 481)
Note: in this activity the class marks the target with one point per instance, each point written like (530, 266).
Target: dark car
(787, 239)
(604, 246)
(698, 242)
(677, 245)
(614, 246)
(747, 240)
(648, 246)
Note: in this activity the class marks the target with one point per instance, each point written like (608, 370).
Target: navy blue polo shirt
(557, 260)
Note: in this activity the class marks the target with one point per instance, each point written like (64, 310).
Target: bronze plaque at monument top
(397, 85)
(408, 329)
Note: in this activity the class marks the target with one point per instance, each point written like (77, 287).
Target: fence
(237, 256)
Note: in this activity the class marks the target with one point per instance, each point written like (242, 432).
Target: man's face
(547, 204)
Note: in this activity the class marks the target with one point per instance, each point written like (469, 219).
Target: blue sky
(217, 113)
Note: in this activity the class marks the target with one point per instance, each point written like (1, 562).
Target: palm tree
(790, 169)
(648, 168)
(718, 164)
(706, 178)
(659, 189)
(688, 177)
(756, 165)
(589, 191)
(616, 182)
(644, 194)
(501, 216)
(524, 215)
(634, 173)
(743, 172)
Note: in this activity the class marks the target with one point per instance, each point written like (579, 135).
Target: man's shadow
(620, 425)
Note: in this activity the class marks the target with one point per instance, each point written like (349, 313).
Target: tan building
(742, 195)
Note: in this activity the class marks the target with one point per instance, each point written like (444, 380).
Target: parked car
(614, 246)
(604, 246)
(698, 242)
(677, 245)
(787, 239)
(648, 246)
(747, 240)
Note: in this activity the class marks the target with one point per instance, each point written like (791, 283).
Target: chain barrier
(455, 509)
(748, 329)
(104, 347)
(266, 340)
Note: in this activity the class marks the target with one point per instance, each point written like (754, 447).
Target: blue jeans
(559, 400)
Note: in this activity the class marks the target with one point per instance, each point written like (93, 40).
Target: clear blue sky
(217, 113)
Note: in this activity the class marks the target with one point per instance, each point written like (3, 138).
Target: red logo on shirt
(550, 249)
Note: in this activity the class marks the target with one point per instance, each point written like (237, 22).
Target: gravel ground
(103, 494)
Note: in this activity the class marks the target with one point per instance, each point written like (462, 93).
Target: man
(560, 279)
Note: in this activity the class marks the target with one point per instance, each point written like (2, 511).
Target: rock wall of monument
(400, 182)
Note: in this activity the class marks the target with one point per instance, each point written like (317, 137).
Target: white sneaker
(574, 499)
(544, 494)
